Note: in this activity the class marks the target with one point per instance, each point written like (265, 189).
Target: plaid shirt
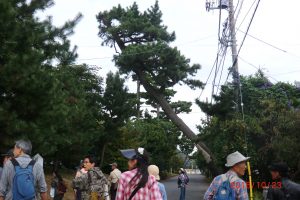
(240, 192)
(149, 192)
(182, 180)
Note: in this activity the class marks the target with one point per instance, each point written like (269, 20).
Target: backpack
(96, 180)
(81, 182)
(23, 183)
(225, 191)
(61, 188)
(187, 179)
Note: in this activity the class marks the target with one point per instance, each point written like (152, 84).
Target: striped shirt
(125, 188)
(235, 182)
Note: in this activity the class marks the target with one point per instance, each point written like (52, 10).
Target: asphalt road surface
(195, 189)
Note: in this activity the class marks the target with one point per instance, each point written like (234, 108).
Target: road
(195, 189)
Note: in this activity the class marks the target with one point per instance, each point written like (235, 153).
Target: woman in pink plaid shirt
(137, 184)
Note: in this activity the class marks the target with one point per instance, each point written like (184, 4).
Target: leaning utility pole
(235, 68)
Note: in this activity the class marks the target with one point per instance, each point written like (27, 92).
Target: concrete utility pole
(235, 68)
(228, 5)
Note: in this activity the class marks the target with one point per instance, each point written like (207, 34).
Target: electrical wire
(266, 43)
(246, 14)
(214, 79)
(258, 68)
(239, 11)
(218, 86)
(285, 73)
(248, 28)
(110, 57)
(221, 64)
(209, 76)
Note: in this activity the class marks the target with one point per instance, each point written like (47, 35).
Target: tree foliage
(146, 54)
(269, 132)
(160, 137)
(43, 96)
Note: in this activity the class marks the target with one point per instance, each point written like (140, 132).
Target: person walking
(59, 186)
(229, 185)
(19, 169)
(285, 188)
(97, 182)
(154, 171)
(114, 178)
(136, 184)
(182, 183)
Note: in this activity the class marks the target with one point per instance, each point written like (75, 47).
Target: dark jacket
(289, 191)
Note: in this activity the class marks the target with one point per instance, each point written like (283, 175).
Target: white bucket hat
(235, 158)
(154, 171)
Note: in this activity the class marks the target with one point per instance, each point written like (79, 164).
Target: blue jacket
(162, 190)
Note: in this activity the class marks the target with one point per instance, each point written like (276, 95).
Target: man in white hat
(230, 185)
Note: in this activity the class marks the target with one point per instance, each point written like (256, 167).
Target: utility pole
(235, 68)
(228, 5)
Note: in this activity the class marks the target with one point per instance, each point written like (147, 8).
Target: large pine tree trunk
(178, 122)
(102, 155)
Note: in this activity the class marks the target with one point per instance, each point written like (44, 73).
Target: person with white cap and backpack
(230, 186)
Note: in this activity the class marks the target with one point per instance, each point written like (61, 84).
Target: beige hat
(154, 170)
(235, 158)
(114, 164)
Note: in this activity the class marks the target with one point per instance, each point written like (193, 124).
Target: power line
(249, 63)
(223, 57)
(220, 65)
(110, 57)
(218, 86)
(248, 28)
(258, 68)
(210, 73)
(216, 62)
(208, 76)
(271, 45)
(246, 14)
(285, 73)
(260, 40)
(219, 44)
(220, 15)
(249, 25)
(239, 11)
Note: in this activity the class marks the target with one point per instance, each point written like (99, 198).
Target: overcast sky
(196, 30)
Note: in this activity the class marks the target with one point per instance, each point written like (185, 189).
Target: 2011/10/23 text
(259, 185)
